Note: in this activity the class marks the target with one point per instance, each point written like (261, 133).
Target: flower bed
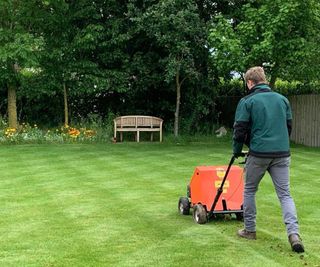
(27, 133)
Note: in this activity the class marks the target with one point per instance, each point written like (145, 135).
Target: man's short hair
(255, 74)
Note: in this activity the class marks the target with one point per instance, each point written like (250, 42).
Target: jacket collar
(261, 87)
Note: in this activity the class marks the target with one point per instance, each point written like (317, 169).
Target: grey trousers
(278, 169)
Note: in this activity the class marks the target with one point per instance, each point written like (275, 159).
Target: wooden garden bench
(137, 124)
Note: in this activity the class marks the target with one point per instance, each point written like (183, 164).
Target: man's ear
(250, 84)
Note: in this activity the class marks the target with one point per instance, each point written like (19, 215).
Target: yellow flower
(89, 133)
(9, 132)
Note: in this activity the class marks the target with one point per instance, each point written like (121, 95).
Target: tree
(19, 45)
(179, 33)
(83, 52)
(276, 34)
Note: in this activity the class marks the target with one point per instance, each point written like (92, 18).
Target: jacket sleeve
(241, 126)
(289, 117)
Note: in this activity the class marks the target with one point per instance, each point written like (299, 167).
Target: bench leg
(138, 136)
(161, 136)
(115, 137)
(151, 138)
(121, 137)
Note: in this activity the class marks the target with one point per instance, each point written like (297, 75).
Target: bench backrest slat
(126, 121)
(138, 121)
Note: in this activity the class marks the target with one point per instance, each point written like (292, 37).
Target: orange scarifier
(214, 190)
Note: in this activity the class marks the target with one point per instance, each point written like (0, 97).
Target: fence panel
(306, 119)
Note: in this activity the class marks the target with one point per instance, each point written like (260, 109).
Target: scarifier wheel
(239, 216)
(199, 214)
(188, 191)
(184, 206)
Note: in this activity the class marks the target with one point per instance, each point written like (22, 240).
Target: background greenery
(168, 58)
(116, 205)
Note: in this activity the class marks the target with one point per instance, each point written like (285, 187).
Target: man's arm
(289, 117)
(240, 135)
(289, 126)
(241, 127)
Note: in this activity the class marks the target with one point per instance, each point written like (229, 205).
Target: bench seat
(137, 124)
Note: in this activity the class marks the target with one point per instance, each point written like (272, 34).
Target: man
(263, 122)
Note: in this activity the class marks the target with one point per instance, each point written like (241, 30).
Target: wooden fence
(306, 119)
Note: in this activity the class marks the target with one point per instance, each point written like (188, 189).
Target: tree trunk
(176, 114)
(273, 80)
(245, 88)
(12, 106)
(66, 111)
(274, 75)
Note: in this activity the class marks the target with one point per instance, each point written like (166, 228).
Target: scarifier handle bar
(220, 189)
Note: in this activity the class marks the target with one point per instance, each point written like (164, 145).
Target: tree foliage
(19, 44)
(177, 29)
(277, 34)
(164, 58)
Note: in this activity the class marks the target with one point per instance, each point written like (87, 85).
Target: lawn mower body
(214, 190)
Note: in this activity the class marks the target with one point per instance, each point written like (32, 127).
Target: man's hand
(240, 154)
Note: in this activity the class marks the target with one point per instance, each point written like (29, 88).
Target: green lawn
(116, 205)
